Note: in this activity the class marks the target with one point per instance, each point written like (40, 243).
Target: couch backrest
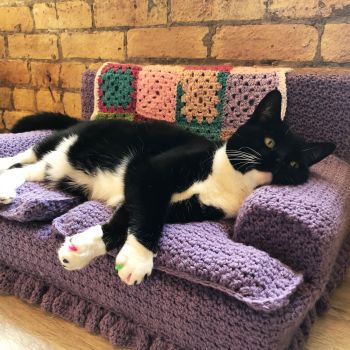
(214, 101)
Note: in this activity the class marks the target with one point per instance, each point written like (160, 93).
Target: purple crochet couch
(254, 283)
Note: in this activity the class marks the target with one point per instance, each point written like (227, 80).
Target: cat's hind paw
(134, 261)
(78, 250)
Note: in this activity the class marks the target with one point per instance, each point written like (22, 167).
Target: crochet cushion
(35, 202)
(202, 253)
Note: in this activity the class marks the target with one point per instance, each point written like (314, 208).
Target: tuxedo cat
(153, 173)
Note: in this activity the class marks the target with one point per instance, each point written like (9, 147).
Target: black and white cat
(153, 173)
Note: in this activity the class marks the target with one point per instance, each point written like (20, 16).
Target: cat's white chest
(225, 188)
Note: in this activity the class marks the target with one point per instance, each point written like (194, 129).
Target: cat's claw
(134, 262)
(78, 250)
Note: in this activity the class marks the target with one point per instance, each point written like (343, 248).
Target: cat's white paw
(5, 163)
(7, 193)
(78, 250)
(134, 261)
(10, 180)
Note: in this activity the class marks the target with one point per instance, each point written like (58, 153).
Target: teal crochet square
(117, 88)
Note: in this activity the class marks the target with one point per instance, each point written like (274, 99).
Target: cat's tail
(44, 121)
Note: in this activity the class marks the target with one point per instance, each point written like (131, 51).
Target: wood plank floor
(24, 326)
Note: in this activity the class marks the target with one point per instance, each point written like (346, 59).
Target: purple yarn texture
(87, 94)
(243, 94)
(216, 285)
(34, 202)
(318, 108)
(208, 257)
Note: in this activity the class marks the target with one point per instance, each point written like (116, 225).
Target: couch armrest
(11, 144)
(303, 226)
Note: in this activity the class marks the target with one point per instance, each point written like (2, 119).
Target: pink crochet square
(156, 95)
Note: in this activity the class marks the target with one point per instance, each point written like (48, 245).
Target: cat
(154, 172)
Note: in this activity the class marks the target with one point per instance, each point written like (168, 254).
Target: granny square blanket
(210, 100)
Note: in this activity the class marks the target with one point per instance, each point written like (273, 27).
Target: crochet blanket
(317, 109)
(212, 101)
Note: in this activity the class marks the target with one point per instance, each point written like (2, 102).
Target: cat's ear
(269, 108)
(316, 151)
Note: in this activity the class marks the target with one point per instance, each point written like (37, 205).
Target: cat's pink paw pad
(134, 262)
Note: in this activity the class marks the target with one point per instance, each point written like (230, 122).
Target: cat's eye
(294, 164)
(269, 142)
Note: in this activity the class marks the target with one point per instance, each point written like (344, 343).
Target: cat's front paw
(78, 250)
(10, 180)
(134, 261)
(7, 194)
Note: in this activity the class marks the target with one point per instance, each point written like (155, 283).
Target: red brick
(23, 99)
(14, 72)
(67, 14)
(49, 101)
(308, 9)
(71, 74)
(45, 74)
(335, 44)
(182, 42)
(285, 42)
(5, 98)
(2, 47)
(15, 19)
(33, 46)
(72, 104)
(209, 10)
(104, 45)
(111, 13)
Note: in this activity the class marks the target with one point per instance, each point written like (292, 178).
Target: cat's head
(266, 143)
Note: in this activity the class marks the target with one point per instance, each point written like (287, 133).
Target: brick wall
(46, 45)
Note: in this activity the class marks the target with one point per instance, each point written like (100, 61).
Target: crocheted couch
(254, 283)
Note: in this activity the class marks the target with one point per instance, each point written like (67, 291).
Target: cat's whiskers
(244, 160)
(243, 153)
(252, 150)
(244, 156)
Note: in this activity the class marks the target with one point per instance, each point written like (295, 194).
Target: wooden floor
(25, 327)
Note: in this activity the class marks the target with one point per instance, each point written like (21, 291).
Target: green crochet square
(117, 88)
